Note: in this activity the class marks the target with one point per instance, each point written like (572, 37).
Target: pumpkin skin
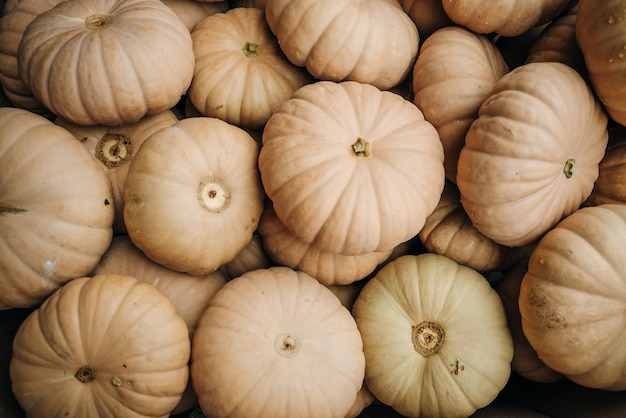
(114, 147)
(506, 18)
(528, 161)
(284, 329)
(193, 195)
(435, 337)
(450, 94)
(610, 186)
(252, 257)
(192, 11)
(368, 41)
(328, 186)
(51, 233)
(328, 268)
(136, 59)
(572, 297)
(601, 35)
(428, 16)
(101, 346)
(241, 74)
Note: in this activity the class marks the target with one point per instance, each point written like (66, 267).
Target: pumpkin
(428, 16)
(449, 231)
(557, 42)
(435, 337)
(101, 346)
(193, 195)
(56, 208)
(506, 18)
(525, 361)
(192, 11)
(114, 147)
(450, 94)
(107, 62)
(252, 257)
(601, 36)
(13, 22)
(610, 186)
(286, 249)
(373, 42)
(350, 167)
(572, 297)
(276, 343)
(529, 160)
(241, 75)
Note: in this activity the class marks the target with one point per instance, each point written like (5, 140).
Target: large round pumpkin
(532, 155)
(241, 74)
(369, 41)
(435, 337)
(56, 208)
(276, 343)
(350, 167)
(601, 36)
(107, 62)
(573, 295)
(193, 196)
(105, 346)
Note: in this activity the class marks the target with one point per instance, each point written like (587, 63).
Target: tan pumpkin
(102, 346)
(13, 22)
(449, 231)
(56, 208)
(557, 42)
(572, 297)
(286, 249)
(276, 343)
(193, 196)
(114, 147)
(241, 74)
(610, 186)
(428, 16)
(435, 337)
(506, 18)
(529, 160)
(450, 94)
(350, 167)
(252, 257)
(192, 11)
(107, 62)
(525, 361)
(371, 41)
(601, 36)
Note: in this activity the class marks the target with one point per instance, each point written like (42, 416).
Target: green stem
(250, 50)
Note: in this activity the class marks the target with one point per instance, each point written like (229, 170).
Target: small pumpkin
(276, 343)
(435, 337)
(114, 147)
(241, 74)
(572, 297)
(193, 195)
(101, 346)
(107, 62)
(450, 94)
(56, 208)
(610, 186)
(350, 167)
(252, 257)
(192, 11)
(428, 16)
(601, 36)
(528, 161)
(506, 18)
(373, 42)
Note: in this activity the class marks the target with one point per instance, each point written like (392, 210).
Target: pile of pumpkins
(299, 208)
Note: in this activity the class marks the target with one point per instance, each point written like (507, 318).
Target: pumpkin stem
(10, 209)
(362, 148)
(287, 345)
(212, 194)
(570, 168)
(97, 22)
(427, 338)
(85, 374)
(250, 50)
(114, 150)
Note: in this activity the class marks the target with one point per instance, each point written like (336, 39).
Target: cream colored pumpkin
(435, 337)
(107, 62)
(252, 257)
(193, 196)
(428, 16)
(192, 11)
